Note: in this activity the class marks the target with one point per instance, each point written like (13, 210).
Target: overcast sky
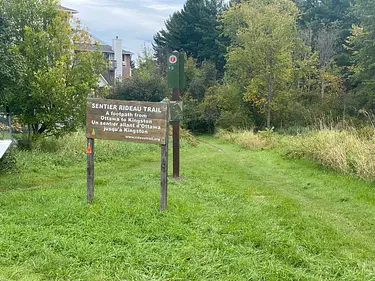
(134, 21)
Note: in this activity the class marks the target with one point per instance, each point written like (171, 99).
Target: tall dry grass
(344, 151)
(246, 139)
(349, 151)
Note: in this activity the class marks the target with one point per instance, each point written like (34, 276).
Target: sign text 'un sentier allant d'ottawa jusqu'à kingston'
(127, 120)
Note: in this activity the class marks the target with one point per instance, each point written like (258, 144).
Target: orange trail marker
(93, 132)
(89, 150)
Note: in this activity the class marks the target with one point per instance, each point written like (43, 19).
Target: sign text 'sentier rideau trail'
(127, 120)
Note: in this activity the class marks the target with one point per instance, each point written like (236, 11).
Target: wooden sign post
(164, 174)
(133, 121)
(90, 169)
(176, 81)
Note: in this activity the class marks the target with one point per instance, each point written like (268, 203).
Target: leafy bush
(153, 89)
(8, 163)
(145, 84)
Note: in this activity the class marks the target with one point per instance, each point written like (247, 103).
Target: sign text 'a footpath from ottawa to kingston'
(127, 120)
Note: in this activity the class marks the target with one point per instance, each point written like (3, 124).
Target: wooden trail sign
(134, 121)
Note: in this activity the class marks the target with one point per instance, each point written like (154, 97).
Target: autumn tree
(145, 84)
(260, 58)
(59, 70)
(362, 44)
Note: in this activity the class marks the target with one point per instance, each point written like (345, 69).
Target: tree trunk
(308, 84)
(269, 100)
(29, 136)
(323, 89)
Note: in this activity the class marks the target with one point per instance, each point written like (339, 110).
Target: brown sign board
(133, 121)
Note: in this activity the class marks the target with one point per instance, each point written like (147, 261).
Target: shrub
(247, 139)
(8, 163)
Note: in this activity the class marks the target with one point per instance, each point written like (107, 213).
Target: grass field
(236, 215)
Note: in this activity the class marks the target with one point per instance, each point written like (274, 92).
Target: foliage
(317, 13)
(58, 74)
(10, 63)
(195, 30)
(260, 58)
(198, 81)
(328, 23)
(198, 78)
(8, 163)
(361, 43)
(145, 84)
(224, 107)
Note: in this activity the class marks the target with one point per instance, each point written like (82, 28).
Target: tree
(362, 44)
(260, 56)
(146, 84)
(59, 71)
(10, 64)
(194, 30)
(224, 107)
(198, 80)
(331, 19)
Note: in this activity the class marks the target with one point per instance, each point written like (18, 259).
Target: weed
(247, 139)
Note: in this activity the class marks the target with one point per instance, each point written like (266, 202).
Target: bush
(138, 88)
(8, 163)
(246, 139)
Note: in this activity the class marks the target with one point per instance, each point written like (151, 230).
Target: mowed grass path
(236, 215)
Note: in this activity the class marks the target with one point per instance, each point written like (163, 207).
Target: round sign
(172, 59)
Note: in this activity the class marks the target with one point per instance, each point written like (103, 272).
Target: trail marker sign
(176, 72)
(173, 59)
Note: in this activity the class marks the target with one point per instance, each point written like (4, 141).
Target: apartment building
(119, 60)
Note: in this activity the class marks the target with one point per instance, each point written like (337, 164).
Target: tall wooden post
(90, 169)
(164, 171)
(176, 81)
(176, 138)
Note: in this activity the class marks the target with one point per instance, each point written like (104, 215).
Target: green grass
(236, 215)
(4, 135)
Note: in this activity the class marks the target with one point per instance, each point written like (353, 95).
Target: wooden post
(176, 138)
(164, 171)
(90, 170)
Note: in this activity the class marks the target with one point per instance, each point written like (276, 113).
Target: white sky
(134, 21)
